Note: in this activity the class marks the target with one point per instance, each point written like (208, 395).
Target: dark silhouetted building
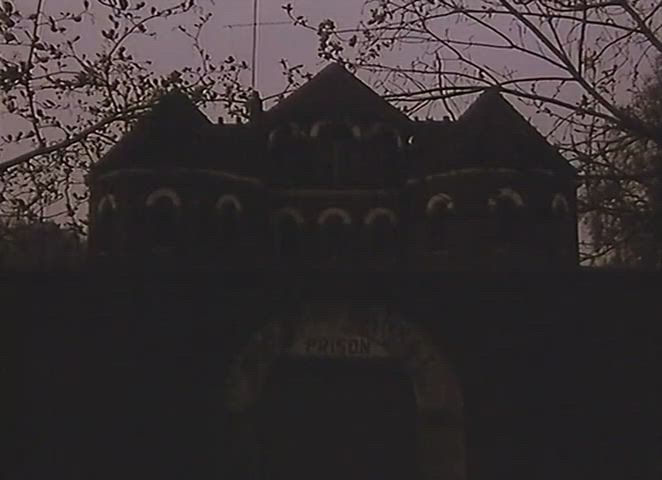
(336, 291)
(335, 177)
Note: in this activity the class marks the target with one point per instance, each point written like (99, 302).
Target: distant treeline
(39, 246)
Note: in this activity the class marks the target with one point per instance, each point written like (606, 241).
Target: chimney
(254, 107)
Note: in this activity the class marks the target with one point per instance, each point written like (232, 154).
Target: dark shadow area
(331, 419)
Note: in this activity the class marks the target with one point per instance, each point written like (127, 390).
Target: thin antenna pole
(254, 59)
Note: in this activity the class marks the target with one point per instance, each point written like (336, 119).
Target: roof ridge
(492, 112)
(320, 88)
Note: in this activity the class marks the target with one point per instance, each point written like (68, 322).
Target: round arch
(168, 193)
(439, 200)
(163, 216)
(106, 224)
(506, 194)
(229, 200)
(284, 134)
(336, 332)
(107, 201)
(377, 212)
(335, 129)
(330, 212)
(287, 224)
(288, 212)
(381, 130)
(560, 204)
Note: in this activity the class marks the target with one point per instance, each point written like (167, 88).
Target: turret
(334, 177)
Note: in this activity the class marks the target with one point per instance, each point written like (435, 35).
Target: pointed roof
(334, 93)
(177, 104)
(164, 135)
(499, 135)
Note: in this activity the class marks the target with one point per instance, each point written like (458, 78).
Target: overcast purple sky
(275, 42)
(171, 50)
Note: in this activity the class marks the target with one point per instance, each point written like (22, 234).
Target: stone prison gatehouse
(333, 290)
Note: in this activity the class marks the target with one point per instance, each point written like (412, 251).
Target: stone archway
(329, 418)
(334, 332)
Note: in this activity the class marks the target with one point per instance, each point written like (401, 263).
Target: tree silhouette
(629, 224)
(39, 246)
(578, 68)
(72, 82)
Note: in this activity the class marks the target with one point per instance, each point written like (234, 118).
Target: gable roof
(334, 93)
(164, 135)
(497, 134)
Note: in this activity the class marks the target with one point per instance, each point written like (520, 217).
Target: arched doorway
(337, 419)
(302, 380)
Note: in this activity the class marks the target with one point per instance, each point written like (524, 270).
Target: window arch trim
(287, 132)
(164, 193)
(440, 200)
(106, 224)
(506, 193)
(377, 212)
(107, 201)
(229, 199)
(356, 130)
(560, 204)
(288, 212)
(288, 243)
(318, 127)
(379, 128)
(162, 230)
(330, 212)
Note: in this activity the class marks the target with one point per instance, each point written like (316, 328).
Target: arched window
(284, 137)
(334, 225)
(384, 146)
(508, 209)
(163, 209)
(279, 139)
(560, 207)
(335, 142)
(381, 232)
(556, 231)
(106, 224)
(228, 210)
(287, 229)
(438, 212)
(289, 148)
(327, 131)
(386, 137)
